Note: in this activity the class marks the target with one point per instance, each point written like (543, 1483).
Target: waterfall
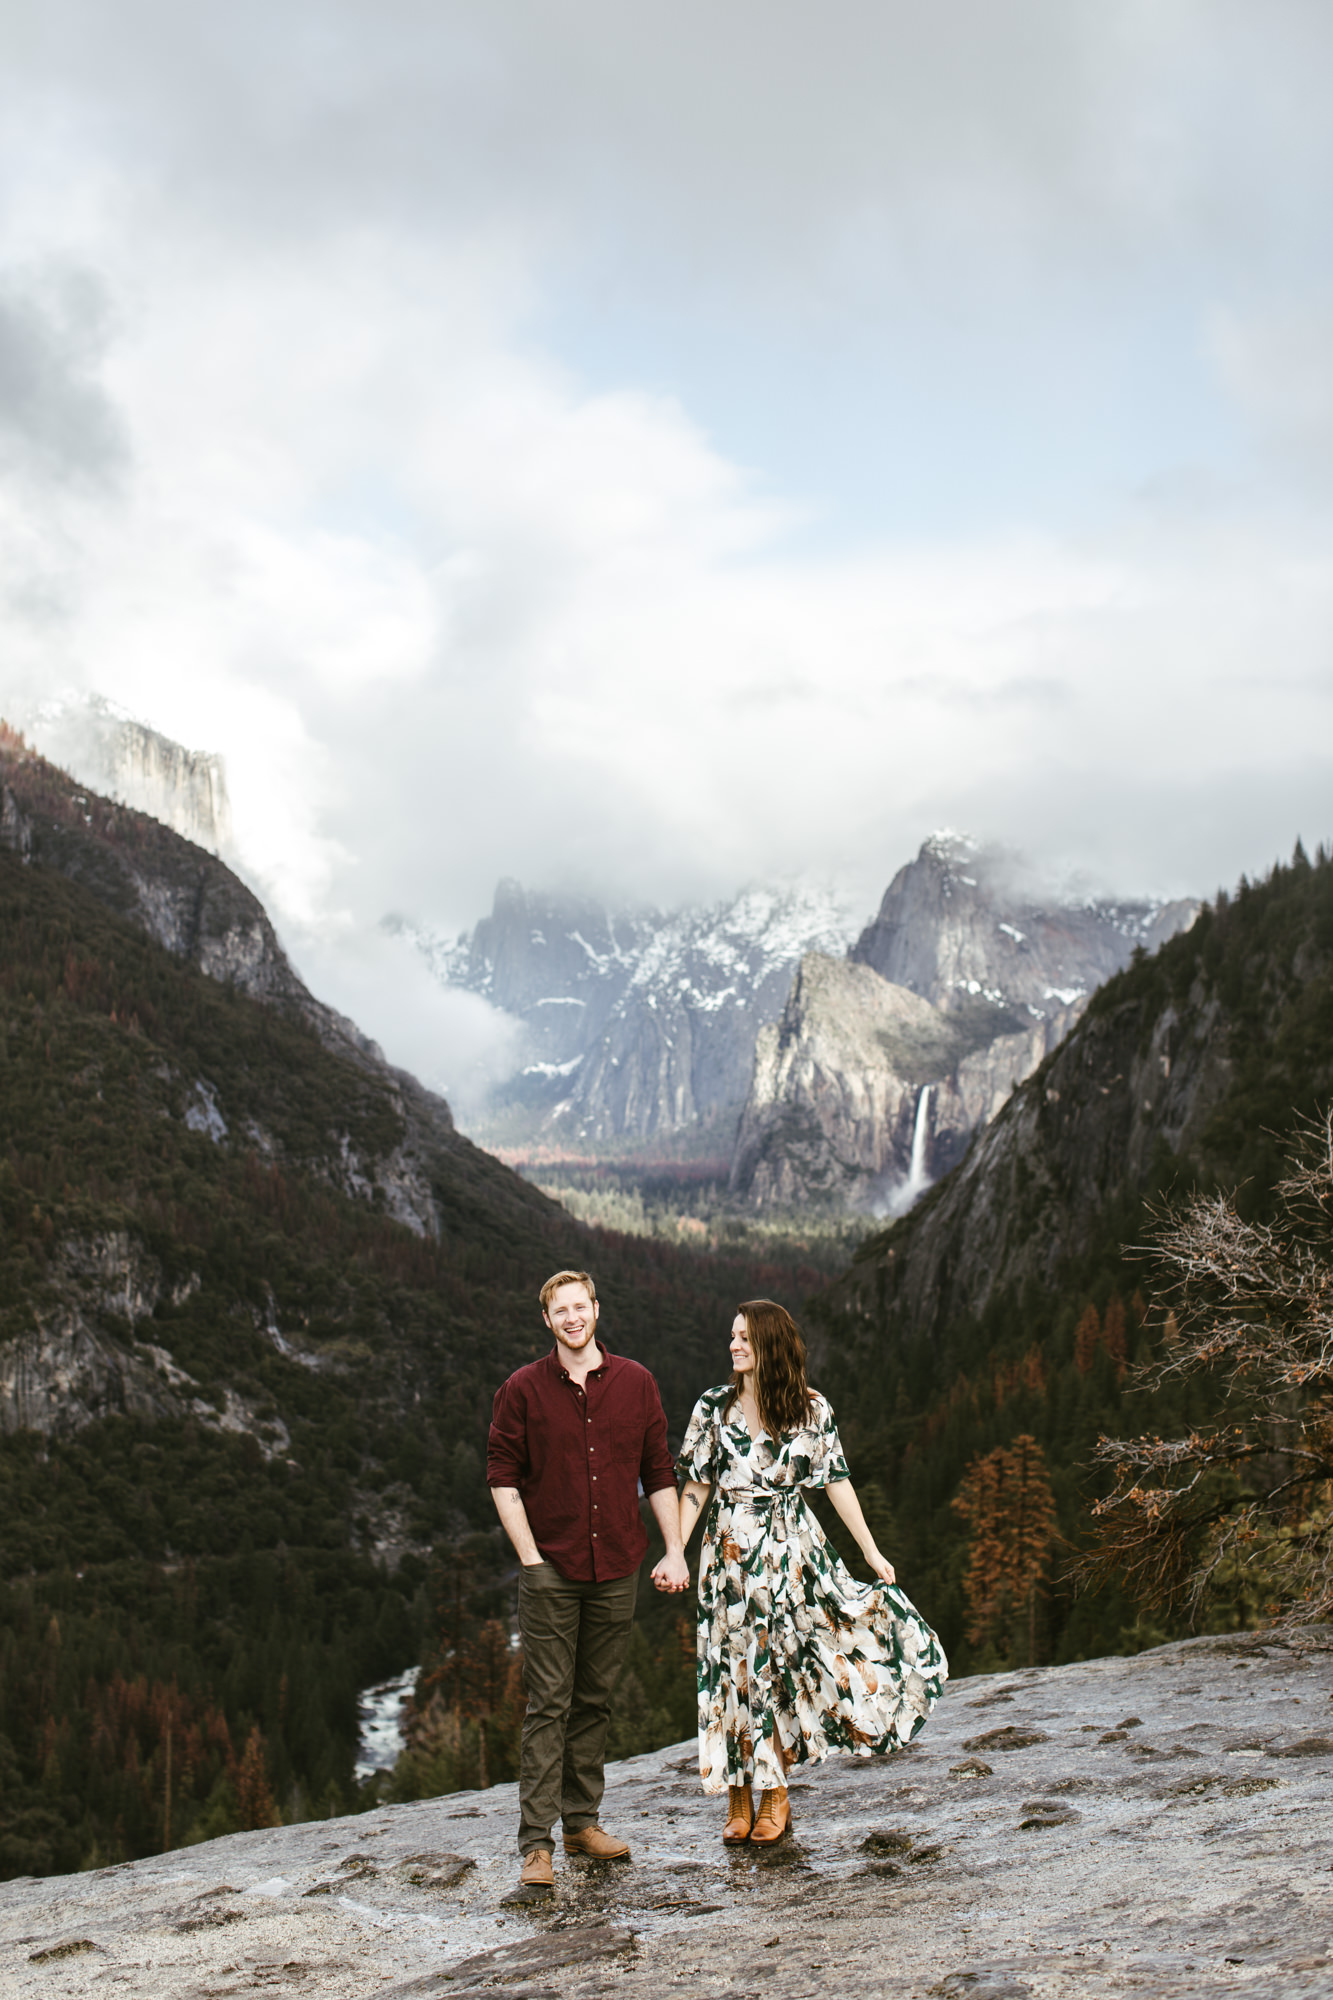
(916, 1172)
(900, 1198)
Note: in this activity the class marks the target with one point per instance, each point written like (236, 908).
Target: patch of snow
(552, 1069)
(1066, 995)
(1019, 937)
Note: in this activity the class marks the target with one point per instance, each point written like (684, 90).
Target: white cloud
(412, 347)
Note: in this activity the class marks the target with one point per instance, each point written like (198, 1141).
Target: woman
(796, 1659)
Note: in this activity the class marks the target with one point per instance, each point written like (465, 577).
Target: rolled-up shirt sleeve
(507, 1444)
(657, 1468)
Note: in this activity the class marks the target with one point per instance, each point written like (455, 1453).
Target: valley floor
(1160, 1825)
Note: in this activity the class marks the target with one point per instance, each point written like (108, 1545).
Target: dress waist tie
(778, 1502)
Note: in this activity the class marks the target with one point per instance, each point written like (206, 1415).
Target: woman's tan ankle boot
(740, 1815)
(773, 1818)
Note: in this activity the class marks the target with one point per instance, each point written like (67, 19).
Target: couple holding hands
(796, 1659)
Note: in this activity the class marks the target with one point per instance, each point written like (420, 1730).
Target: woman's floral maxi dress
(796, 1659)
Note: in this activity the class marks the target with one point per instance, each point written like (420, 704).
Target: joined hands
(671, 1573)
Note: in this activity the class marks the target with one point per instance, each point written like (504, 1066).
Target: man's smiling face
(572, 1317)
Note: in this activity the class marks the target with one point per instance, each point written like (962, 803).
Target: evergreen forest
(265, 1487)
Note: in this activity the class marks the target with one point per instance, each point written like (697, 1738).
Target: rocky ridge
(1158, 1825)
(193, 905)
(964, 923)
(864, 1092)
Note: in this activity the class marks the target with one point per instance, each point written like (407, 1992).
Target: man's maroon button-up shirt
(577, 1455)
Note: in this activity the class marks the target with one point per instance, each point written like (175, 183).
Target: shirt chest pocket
(613, 1444)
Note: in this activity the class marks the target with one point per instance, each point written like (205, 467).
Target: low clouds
(56, 421)
(653, 448)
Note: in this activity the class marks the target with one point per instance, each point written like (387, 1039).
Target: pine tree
(1113, 1334)
(1087, 1334)
(1006, 1496)
(254, 1794)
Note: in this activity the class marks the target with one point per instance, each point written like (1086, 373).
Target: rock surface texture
(1153, 1826)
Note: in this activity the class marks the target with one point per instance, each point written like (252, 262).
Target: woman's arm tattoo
(693, 1500)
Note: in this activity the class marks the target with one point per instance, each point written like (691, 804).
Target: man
(573, 1436)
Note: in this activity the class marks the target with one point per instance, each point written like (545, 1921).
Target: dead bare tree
(1245, 1503)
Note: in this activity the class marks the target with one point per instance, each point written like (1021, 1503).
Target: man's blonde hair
(552, 1285)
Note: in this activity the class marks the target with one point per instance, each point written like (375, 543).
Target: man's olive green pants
(575, 1637)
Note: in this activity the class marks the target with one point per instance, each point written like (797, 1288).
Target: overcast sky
(656, 446)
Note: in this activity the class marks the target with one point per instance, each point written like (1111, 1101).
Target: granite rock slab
(1166, 1828)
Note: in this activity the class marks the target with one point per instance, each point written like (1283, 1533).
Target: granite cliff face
(863, 1092)
(881, 1068)
(74, 1354)
(135, 765)
(640, 1027)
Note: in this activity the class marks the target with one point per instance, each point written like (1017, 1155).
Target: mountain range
(820, 1067)
(638, 1027)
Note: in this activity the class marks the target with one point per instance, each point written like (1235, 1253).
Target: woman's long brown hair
(780, 1387)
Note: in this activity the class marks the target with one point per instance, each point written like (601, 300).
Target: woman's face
(742, 1354)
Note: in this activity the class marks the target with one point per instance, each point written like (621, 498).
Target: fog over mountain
(647, 452)
(813, 1070)
(637, 1027)
(808, 1059)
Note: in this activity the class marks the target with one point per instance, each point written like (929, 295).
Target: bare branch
(1247, 1501)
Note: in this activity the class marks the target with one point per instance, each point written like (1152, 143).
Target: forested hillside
(243, 1404)
(977, 1348)
(256, 1293)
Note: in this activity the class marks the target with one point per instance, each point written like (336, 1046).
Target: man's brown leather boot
(597, 1844)
(537, 1872)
